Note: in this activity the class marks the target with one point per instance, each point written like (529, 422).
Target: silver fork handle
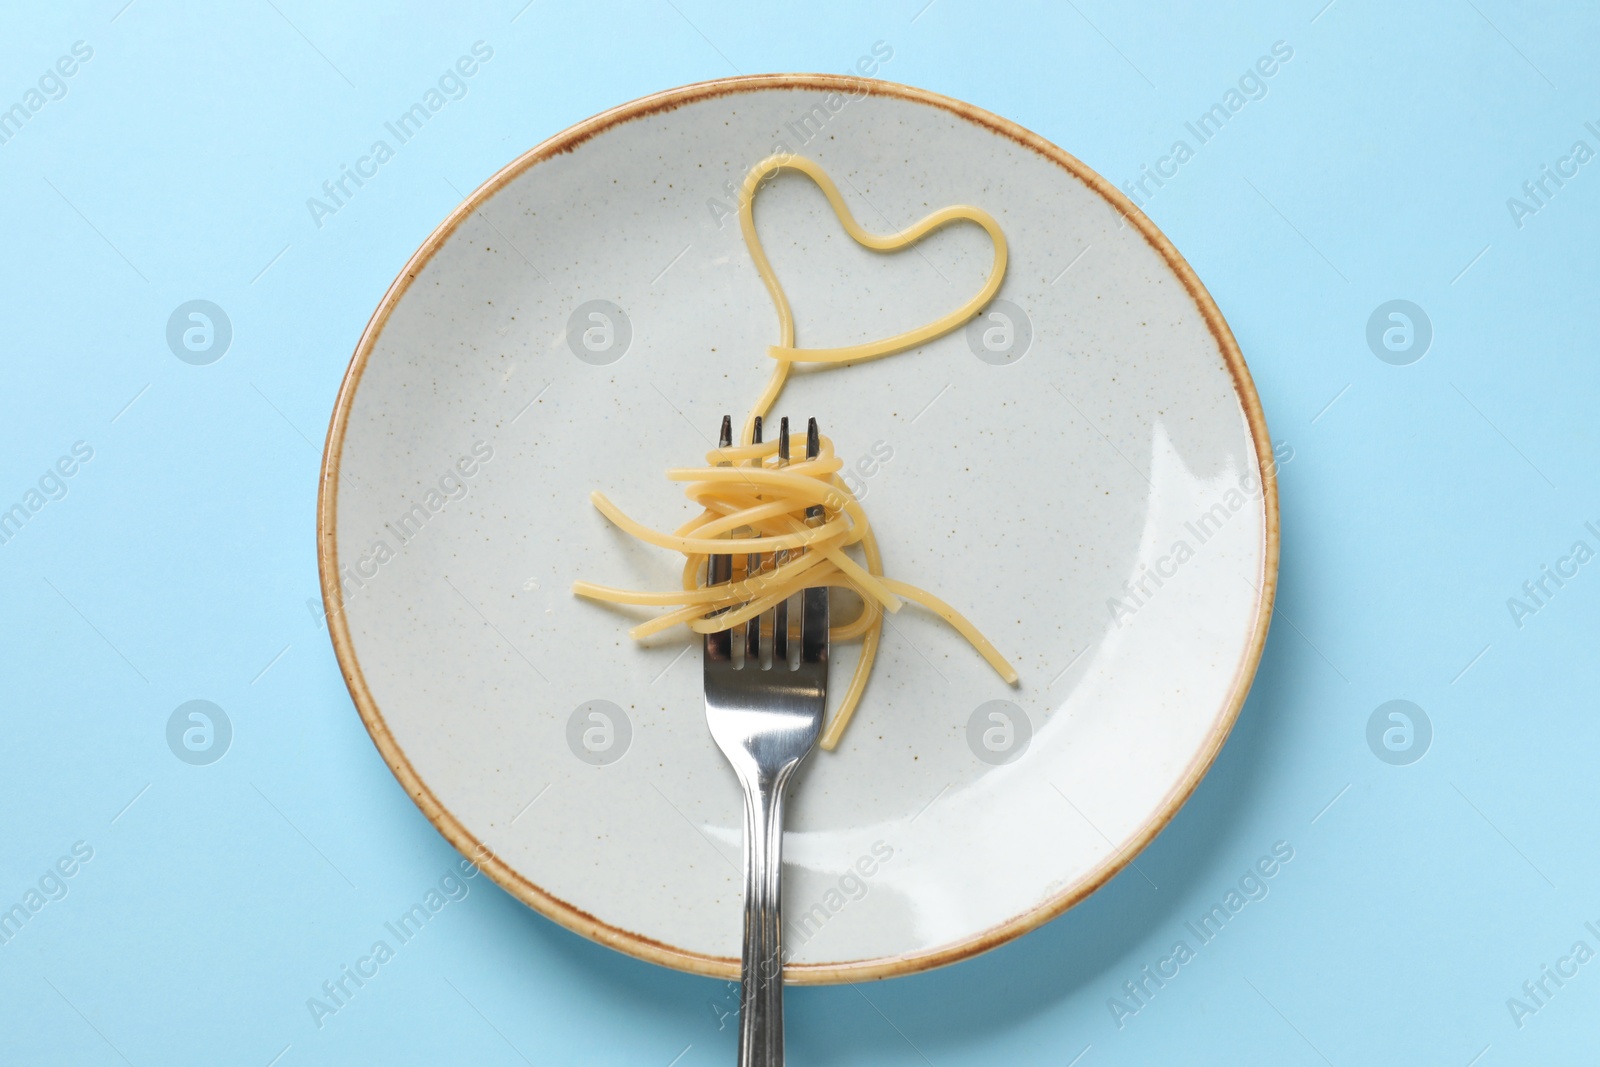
(761, 965)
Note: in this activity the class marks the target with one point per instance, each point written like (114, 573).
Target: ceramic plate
(1084, 471)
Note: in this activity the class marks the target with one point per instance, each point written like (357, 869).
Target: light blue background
(180, 563)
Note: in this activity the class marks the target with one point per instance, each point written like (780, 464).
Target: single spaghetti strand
(785, 352)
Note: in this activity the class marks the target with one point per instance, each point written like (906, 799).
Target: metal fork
(765, 713)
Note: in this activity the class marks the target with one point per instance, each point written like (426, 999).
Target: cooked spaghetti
(752, 502)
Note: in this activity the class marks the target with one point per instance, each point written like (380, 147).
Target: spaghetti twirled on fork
(753, 500)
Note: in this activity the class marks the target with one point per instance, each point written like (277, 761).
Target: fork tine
(814, 601)
(719, 569)
(752, 638)
(780, 613)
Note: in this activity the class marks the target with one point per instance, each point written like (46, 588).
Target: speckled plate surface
(1085, 471)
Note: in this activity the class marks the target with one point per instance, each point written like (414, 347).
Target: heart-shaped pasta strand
(785, 351)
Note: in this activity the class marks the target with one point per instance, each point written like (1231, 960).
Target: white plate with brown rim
(1084, 471)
